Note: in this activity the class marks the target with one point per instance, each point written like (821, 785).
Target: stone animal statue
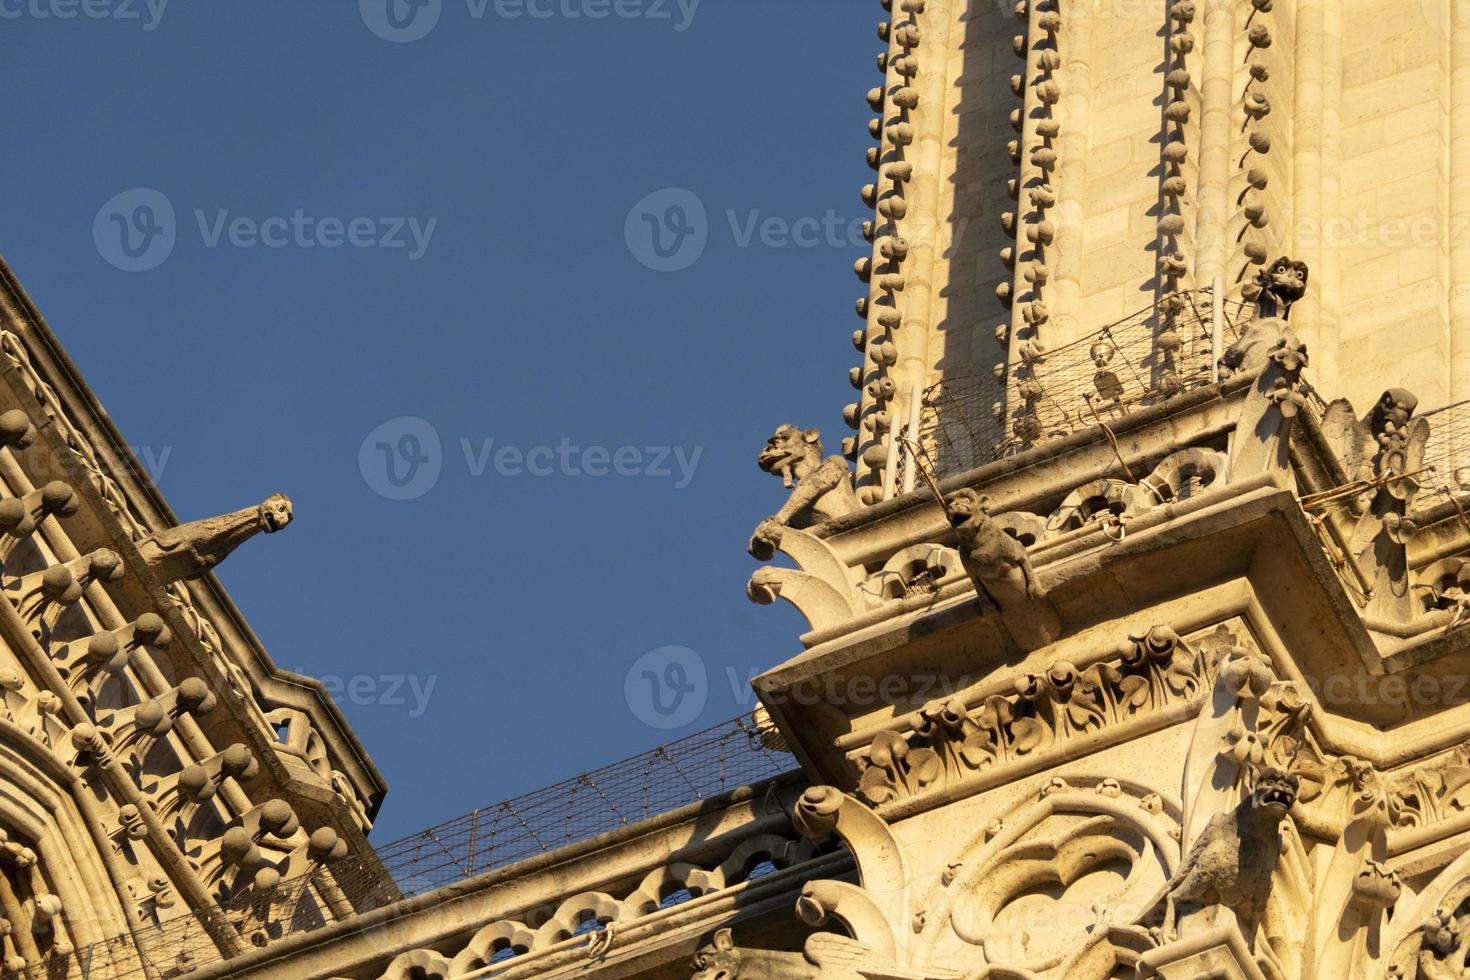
(1388, 438)
(820, 489)
(191, 550)
(827, 957)
(994, 560)
(1232, 862)
(1280, 286)
(1001, 570)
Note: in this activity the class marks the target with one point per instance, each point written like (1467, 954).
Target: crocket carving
(191, 550)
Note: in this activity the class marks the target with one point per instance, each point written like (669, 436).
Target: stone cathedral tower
(1136, 602)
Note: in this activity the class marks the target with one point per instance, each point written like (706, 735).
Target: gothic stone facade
(1127, 652)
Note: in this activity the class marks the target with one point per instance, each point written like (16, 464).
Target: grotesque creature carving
(1279, 287)
(820, 489)
(1232, 862)
(191, 550)
(1382, 452)
(989, 554)
(1387, 439)
(1001, 570)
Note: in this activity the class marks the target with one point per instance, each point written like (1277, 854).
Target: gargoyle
(1387, 439)
(1279, 287)
(1382, 451)
(827, 957)
(1001, 570)
(820, 489)
(1232, 862)
(191, 550)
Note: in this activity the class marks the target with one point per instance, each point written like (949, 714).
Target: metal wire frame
(1106, 375)
(698, 767)
(1448, 449)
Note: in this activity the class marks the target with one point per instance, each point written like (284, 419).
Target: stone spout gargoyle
(191, 550)
(1001, 571)
(820, 489)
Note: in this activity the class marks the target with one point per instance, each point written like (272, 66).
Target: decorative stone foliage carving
(191, 550)
(954, 739)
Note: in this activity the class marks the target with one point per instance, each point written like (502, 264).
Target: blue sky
(405, 269)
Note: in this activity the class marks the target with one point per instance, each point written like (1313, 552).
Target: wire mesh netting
(1448, 449)
(1139, 361)
(699, 767)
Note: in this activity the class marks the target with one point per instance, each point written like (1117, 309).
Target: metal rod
(1217, 327)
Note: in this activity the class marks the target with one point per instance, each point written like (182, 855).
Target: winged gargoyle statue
(1382, 453)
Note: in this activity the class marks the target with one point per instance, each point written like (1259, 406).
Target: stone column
(1307, 134)
(1459, 201)
(1211, 234)
(1075, 109)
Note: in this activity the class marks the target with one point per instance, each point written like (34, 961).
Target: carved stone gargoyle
(1278, 288)
(191, 550)
(820, 489)
(1232, 862)
(1269, 351)
(1001, 571)
(1382, 451)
